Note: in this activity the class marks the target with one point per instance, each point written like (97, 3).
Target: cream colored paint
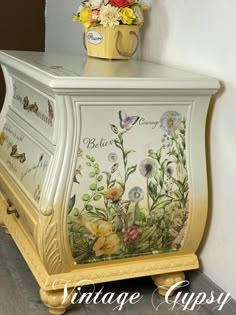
(199, 36)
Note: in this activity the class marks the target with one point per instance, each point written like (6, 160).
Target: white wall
(201, 36)
(63, 35)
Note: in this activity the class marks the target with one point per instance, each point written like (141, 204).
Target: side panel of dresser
(195, 142)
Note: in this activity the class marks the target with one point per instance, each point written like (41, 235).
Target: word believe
(92, 143)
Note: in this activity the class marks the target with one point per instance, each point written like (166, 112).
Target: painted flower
(170, 121)
(136, 194)
(114, 168)
(97, 4)
(114, 193)
(131, 233)
(112, 157)
(169, 171)
(121, 3)
(127, 16)
(109, 16)
(107, 245)
(83, 17)
(103, 229)
(148, 167)
(93, 16)
(114, 129)
(2, 138)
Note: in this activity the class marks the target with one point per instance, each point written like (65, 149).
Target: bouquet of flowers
(110, 13)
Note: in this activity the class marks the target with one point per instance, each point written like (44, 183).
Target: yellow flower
(83, 17)
(144, 8)
(75, 18)
(103, 229)
(128, 16)
(114, 193)
(107, 245)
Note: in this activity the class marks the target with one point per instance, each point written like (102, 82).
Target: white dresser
(102, 169)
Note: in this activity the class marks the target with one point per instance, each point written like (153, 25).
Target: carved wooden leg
(166, 280)
(54, 300)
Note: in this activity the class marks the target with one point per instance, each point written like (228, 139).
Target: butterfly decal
(126, 122)
(50, 111)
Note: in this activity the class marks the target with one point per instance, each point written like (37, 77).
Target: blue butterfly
(126, 122)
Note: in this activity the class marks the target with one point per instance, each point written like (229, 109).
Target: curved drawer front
(35, 107)
(24, 159)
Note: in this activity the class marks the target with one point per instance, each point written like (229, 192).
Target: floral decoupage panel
(130, 193)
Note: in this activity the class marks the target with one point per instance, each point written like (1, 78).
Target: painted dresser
(102, 169)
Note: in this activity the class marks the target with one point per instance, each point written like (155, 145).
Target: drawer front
(12, 214)
(24, 159)
(34, 107)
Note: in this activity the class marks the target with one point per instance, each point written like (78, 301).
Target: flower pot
(120, 42)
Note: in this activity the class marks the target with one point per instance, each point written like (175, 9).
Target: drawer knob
(29, 107)
(11, 210)
(19, 156)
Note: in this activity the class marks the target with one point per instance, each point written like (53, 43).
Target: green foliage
(155, 228)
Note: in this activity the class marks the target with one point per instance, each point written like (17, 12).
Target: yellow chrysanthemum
(83, 17)
(127, 16)
(107, 245)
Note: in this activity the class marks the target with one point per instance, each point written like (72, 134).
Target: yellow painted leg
(54, 300)
(166, 280)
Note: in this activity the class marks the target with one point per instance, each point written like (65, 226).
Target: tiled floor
(19, 292)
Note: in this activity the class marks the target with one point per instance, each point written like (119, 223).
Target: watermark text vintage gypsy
(182, 300)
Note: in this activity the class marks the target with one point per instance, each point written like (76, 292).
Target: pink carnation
(93, 16)
(121, 3)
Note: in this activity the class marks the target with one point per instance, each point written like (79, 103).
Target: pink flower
(121, 3)
(93, 16)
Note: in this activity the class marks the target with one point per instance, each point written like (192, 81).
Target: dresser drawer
(24, 159)
(13, 212)
(35, 107)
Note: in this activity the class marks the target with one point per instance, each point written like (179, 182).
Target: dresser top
(68, 71)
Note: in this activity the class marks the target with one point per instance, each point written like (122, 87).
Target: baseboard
(201, 283)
